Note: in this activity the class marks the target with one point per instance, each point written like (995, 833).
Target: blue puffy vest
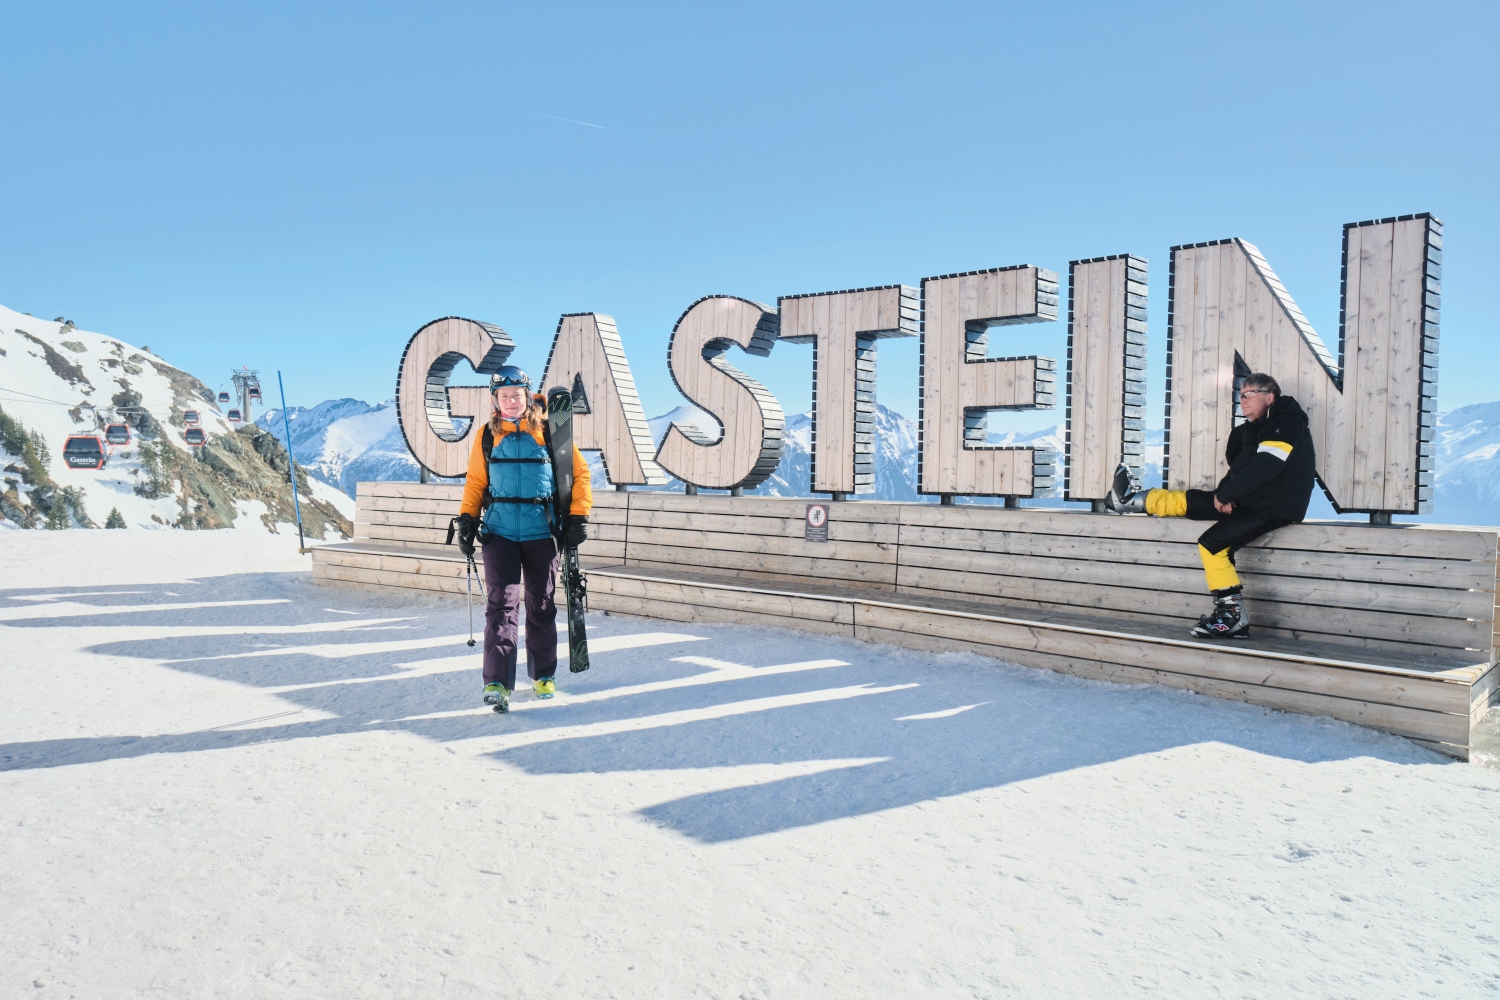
(520, 469)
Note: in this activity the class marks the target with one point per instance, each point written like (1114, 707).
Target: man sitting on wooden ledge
(1269, 482)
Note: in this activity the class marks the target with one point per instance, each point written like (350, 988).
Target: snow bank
(285, 790)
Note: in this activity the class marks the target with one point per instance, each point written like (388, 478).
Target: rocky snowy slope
(57, 381)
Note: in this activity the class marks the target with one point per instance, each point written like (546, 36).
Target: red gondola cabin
(195, 437)
(85, 451)
(191, 418)
(117, 434)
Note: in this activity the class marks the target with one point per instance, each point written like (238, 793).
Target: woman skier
(508, 500)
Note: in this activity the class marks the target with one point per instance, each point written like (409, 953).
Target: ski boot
(546, 687)
(1125, 495)
(1228, 619)
(497, 695)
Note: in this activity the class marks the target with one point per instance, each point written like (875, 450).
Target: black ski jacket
(1271, 463)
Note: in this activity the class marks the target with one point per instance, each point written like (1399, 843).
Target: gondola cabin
(233, 416)
(117, 434)
(191, 418)
(254, 394)
(223, 396)
(85, 451)
(195, 437)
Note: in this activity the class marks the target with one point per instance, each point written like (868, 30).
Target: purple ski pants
(505, 563)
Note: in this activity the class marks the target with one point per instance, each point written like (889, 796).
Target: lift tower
(247, 387)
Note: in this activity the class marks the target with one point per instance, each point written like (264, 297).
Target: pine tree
(115, 519)
(57, 517)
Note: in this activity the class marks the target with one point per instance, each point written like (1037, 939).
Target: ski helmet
(509, 375)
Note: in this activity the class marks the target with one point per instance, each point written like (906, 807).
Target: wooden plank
(848, 571)
(839, 529)
(418, 491)
(1371, 363)
(1484, 694)
(1221, 663)
(1435, 726)
(1256, 559)
(1143, 576)
(1334, 624)
(720, 503)
(813, 609)
(686, 612)
(755, 545)
(407, 505)
(1404, 388)
(1414, 540)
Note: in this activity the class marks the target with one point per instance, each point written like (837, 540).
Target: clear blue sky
(301, 186)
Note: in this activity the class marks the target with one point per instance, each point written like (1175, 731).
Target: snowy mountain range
(346, 441)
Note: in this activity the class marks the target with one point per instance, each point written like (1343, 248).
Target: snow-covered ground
(221, 781)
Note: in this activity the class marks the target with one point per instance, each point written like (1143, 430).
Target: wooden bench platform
(1387, 627)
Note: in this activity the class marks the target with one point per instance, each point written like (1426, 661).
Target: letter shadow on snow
(1023, 724)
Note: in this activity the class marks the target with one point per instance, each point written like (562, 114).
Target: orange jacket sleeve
(583, 487)
(478, 478)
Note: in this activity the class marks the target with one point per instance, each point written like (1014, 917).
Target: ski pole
(291, 466)
(469, 584)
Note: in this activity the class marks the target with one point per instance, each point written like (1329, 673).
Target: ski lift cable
(42, 399)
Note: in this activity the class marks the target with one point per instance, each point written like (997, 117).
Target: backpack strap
(487, 442)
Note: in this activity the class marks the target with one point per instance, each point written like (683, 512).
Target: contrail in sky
(556, 118)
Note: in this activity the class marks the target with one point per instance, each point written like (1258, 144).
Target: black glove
(576, 533)
(468, 527)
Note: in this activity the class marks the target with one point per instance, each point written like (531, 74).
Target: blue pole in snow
(291, 465)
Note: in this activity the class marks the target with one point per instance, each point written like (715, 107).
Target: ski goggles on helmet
(509, 375)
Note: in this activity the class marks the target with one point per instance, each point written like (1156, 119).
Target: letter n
(1371, 410)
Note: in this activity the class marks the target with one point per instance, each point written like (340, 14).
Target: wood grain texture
(1371, 408)
(748, 447)
(587, 347)
(843, 328)
(1435, 707)
(960, 384)
(1105, 417)
(426, 406)
(1414, 604)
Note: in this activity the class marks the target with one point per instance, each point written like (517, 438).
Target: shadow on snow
(396, 658)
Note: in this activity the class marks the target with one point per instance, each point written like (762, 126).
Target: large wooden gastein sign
(1371, 403)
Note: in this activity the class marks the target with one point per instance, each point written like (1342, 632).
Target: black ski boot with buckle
(1228, 619)
(1125, 495)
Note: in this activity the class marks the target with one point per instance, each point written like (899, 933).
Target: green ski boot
(497, 695)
